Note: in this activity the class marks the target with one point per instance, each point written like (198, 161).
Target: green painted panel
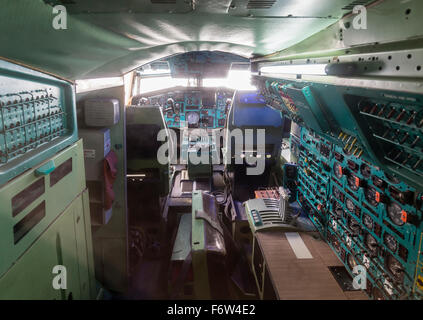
(110, 241)
(31, 276)
(28, 194)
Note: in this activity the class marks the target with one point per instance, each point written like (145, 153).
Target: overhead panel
(294, 8)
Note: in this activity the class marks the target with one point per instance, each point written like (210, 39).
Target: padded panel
(110, 44)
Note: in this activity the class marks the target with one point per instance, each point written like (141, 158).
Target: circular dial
(339, 211)
(354, 226)
(370, 195)
(395, 213)
(337, 170)
(350, 205)
(395, 267)
(365, 170)
(352, 182)
(390, 242)
(336, 193)
(193, 118)
(368, 221)
(371, 244)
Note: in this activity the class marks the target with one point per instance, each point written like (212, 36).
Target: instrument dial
(354, 226)
(395, 213)
(192, 118)
(390, 242)
(395, 267)
(365, 170)
(371, 244)
(350, 205)
(352, 182)
(339, 211)
(368, 221)
(337, 193)
(370, 195)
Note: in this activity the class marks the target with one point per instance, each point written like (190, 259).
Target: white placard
(298, 246)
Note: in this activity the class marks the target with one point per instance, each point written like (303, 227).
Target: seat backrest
(249, 111)
(143, 123)
(142, 126)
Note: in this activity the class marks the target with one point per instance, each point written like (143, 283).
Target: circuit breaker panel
(37, 118)
(359, 176)
(368, 217)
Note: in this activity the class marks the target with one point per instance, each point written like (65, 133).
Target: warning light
(357, 182)
(403, 216)
(377, 196)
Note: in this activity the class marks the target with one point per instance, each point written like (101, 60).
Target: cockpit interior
(211, 150)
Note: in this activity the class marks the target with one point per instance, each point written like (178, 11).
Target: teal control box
(37, 118)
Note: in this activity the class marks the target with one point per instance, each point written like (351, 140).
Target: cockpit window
(237, 79)
(157, 83)
(195, 69)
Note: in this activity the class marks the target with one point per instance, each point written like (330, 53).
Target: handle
(45, 169)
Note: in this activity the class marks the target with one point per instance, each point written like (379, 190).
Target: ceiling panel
(103, 38)
(124, 6)
(294, 8)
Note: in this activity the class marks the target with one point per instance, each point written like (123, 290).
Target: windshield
(236, 79)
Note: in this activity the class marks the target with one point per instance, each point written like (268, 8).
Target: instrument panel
(190, 107)
(381, 126)
(368, 217)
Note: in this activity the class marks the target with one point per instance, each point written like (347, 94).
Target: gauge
(395, 267)
(390, 242)
(354, 226)
(350, 205)
(353, 182)
(351, 261)
(378, 182)
(192, 118)
(395, 213)
(371, 244)
(337, 170)
(370, 195)
(365, 170)
(337, 193)
(368, 221)
(339, 211)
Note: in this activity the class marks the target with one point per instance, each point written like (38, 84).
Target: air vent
(356, 3)
(58, 2)
(163, 1)
(260, 4)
